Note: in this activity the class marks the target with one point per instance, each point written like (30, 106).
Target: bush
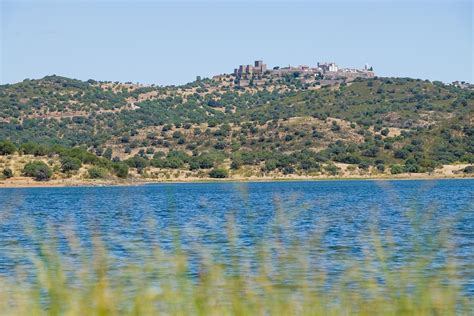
(381, 167)
(7, 173)
(469, 170)
(333, 170)
(108, 153)
(219, 173)
(270, 165)
(120, 169)
(37, 170)
(137, 162)
(288, 170)
(237, 162)
(335, 127)
(396, 169)
(205, 162)
(70, 164)
(97, 173)
(400, 154)
(220, 145)
(7, 148)
(371, 152)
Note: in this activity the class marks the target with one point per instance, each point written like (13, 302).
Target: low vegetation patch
(38, 170)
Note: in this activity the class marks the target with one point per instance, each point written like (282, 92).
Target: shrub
(468, 170)
(7, 173)
(237, 162)
(108, 153)
(220, 145)
(7, 148)
(400, 154)
(219, 173)
(371, 152)
(270, 165)
(193, 165)
(396, 169)
(205, 162)
(37, 170)
(335, 127)
(97, 173)
(120, 169)
(173, 162)
(137, 162)
(288, 170)
(70, 164)
(333, 170)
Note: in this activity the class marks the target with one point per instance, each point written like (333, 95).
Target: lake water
(343, 214)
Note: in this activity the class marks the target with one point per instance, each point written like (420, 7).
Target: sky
(173, 42)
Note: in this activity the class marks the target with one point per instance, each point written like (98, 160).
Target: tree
(137, 162)
(7, 148)
(219, 173)
(332, 169)
(237, 162)
(37, 170)
(270, 165)
(120, 169)
(108, 153)
(220, 145)
(97, 173)
(70, 164)
(364, 165)
(396, 169)
(371, 152)
(401, 154)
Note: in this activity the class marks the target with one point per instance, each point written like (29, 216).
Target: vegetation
(395, 125)
(7, 173)
(97, 173)
(218, 173)
(7, 148)
(37, 170)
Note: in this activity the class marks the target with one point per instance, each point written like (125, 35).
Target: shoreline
(30, 183)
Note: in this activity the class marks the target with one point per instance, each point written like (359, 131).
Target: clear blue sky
(172, 42)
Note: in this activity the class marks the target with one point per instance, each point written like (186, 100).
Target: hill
(281, 128)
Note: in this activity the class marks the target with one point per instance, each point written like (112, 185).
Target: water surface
(343, 215)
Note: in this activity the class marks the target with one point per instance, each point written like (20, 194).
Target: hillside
(282, 128)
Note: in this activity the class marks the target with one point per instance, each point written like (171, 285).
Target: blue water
(343, 214)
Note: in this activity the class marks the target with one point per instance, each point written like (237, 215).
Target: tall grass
(283, 274)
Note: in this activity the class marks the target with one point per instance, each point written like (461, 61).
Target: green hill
(396, 124)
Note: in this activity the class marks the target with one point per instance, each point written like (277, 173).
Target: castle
(259, 68)
(324, 73)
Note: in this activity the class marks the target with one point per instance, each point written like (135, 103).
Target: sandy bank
(21, 182)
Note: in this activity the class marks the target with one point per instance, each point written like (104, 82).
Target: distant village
(330, 73)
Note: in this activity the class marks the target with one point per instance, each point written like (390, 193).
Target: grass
(284, 274)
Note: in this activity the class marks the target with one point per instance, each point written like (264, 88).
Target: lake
(343, 215)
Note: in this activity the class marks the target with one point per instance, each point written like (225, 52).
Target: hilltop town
(324, 74)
